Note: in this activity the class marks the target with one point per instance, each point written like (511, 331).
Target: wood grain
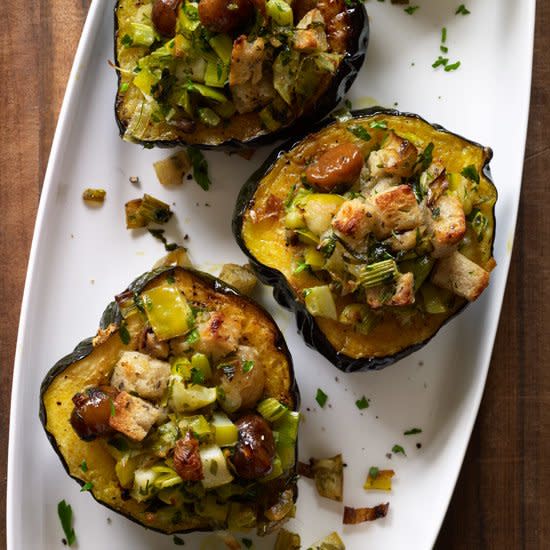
(501, 500)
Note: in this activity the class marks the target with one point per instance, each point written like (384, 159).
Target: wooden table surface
(502, 499)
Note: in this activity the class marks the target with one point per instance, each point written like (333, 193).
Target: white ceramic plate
(82, 256)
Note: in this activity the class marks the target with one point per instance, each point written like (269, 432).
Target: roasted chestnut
(255, 449)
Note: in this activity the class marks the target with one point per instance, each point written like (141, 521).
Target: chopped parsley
(411, 9)
(452, 67)
(470, 173)
(126, 40)
(382, 124)
(362, 403)
(248, 366)
(360, 132)
(462, 10)
(159, 234)
(178, 541)
(302, 266)
(200, 167)
(444, 49)
(373, 472)
(426, 157)
(413, 431)
(112, 405)
(397, 449)
(124, 87)
(197, 376)
(84, 466)
(87, 486)
(247, 543)
(440, 61)
(124, 334)
(321, 397)
(444, 35)
(65, 513)
(192, 337)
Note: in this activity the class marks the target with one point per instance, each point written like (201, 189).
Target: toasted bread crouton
(246, 61)
(248, 97)
(403, 241)
(138, 373)
(133, 416)
(461, 276)
(354, 220)
(401, 295)
(397, 157)
(218, 336)
(397, 211)
(310, 33)
(447, 225)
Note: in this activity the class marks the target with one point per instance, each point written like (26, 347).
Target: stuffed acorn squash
(214, 72)
(375, 230)
(181, 413)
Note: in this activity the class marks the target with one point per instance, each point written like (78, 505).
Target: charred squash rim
(112, 315)
(312, 334)
(341, 82)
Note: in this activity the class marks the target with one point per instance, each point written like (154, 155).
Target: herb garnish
(84, 466)
(321, 397)
(452, 67)
(197, 376)
(192, 337)
(248, 366)
(200, 167)
(124, 334)
(87, 486)
(397, 449)
(65, 513)
(178, 541)
(302, 266)
(382, 124)
(159, 234)
(247, 543)
(470, 173)
(360, 132)
(373, 472)
(362, 403)
(411, 9)
(126, 40)
(413, 431)
(462, 10)
(112, 405)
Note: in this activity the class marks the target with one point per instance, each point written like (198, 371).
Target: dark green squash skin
(341, 83)
(112, 315)
(282, 291)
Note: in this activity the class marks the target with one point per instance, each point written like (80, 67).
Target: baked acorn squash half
(181, 413)
(375, 230)
(234, 74)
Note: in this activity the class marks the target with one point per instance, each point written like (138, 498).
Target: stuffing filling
(187, 65)
(187, 418)
(384, 227)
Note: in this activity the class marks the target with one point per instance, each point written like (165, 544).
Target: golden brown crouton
(246, 61)
(354, 220)
(447, 225)
(397, 211)
(461, 276)
(138, 373)
(133, 416)
(396, 157)
(219, 335)
(403, 241)
(401, 295)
